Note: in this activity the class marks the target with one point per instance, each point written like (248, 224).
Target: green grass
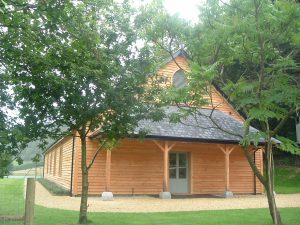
(13, 191)
(291, 216)
(53, 188)
(11, 199)
(11, 196)
(287, 180)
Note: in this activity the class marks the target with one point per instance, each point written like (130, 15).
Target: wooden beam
(159, 145)
(227, 151)
(107, 170)
(165, 149)
(227, 174)
(166, 172)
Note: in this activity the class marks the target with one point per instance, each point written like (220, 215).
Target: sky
(187, 9)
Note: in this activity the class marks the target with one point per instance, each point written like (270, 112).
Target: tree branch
(282, 122)
(96, 154)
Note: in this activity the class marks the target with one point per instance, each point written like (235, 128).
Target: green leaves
(288, 145)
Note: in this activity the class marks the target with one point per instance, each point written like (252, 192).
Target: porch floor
(154, 204)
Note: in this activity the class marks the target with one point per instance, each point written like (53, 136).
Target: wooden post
(165, 149)
(166, 168)
(107, 170)
(29, 202)
(226, 150)
(227, 171)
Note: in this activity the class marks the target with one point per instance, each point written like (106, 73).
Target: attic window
(179, 79)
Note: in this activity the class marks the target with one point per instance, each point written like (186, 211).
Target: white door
(178, 172)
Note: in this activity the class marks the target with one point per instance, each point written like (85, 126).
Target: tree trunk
(267, 180)
(85, 177)
(269, 186)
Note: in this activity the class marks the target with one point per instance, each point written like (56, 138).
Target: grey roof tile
(198, 127)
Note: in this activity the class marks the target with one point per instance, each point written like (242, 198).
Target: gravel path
(151, 204)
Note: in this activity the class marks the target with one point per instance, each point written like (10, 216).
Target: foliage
(13, 136)
(76, 65)
(53, 188)
(256, 41)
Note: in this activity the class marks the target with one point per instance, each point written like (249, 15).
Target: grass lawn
(11, 201)
(291, 216)
(287, 180)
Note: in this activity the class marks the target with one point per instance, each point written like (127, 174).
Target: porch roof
(196, 127)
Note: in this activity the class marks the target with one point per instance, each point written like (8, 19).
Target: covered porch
(167, 168)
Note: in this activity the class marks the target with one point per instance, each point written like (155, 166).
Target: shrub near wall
(53, 188)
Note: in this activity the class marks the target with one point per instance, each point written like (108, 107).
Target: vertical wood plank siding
(62, 177)
(137, 168)
(218, 101)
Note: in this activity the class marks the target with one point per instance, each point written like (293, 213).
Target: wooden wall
(137, 167)
(56, 170)
(97, 171)
(218, 101)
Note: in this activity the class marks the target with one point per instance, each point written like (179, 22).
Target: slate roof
(199, 128)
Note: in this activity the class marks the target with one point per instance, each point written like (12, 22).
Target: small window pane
(172, 159)
(182, 173)
(182, 159)
(172, 173)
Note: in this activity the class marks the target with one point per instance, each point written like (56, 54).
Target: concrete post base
(107, 196)
(228, 194)
(165, 195)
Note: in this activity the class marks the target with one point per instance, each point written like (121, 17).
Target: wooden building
(173, 158)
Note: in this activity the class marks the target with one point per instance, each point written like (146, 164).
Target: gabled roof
(199, 128)
(179, 52)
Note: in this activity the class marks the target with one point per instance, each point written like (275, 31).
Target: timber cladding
(218, 101)
(137, 168)
(58, 162)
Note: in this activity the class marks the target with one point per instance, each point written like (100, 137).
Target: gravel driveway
(151, 204)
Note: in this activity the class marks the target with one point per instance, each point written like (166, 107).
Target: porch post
(165, 194)
(227, 188)
(107, 195)
(226, 150)
(166, 168)
(107, 170)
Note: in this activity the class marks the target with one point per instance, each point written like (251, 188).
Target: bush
(53, 188)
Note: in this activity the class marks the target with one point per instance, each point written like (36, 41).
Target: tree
(13, 136)
(74, 64)
(242, 46)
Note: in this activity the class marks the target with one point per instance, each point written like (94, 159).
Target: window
(179, 79)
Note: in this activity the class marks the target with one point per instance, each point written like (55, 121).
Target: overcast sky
(187, 9)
